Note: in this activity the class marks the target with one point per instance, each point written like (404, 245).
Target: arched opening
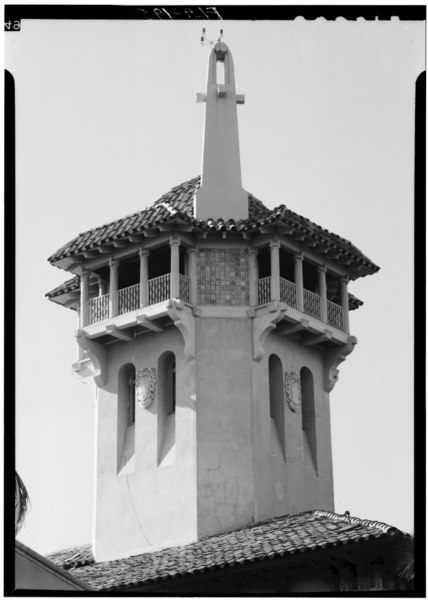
(126, 417)
(220, 72)
(308, 417)
(276, 399)
(167, 393)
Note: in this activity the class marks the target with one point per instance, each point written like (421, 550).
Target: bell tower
(213, 327)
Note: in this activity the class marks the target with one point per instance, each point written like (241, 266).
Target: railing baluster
(263, 286)
(129, 298)
(312, 304)
(159, 289)
(287, 292)
(335, 315)
(98, 309)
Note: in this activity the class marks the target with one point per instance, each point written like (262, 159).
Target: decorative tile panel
(223, 276)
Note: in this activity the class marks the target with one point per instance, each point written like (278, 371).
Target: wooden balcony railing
(128, 299)
(159, 289)
(335, 315)
(98, 309)
(264, 290)
(312, 304)
(287, 292)
(311, 301)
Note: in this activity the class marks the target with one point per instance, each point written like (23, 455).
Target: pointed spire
(221, 194)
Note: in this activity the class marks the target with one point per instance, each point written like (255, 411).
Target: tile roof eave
(363, 264)
(290, 555)
(177, 205)
(242, 548)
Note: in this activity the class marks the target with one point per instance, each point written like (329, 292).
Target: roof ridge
(369, 523)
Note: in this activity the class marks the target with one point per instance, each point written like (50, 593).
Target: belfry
(213, 328)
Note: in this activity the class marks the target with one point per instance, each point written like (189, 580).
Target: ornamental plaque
(145, 385)
(292, 390)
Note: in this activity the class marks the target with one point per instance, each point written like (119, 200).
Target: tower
(213, 328)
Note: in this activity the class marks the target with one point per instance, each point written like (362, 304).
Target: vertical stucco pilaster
(225, 475)
(144, 277)
(114, 282)
(298, 279)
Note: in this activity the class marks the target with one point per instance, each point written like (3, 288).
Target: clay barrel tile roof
(282, 536)
(177, 205)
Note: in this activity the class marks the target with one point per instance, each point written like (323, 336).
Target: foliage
(22, 502)
(404, 560)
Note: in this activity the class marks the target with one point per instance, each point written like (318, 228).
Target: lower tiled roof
(177, 206)
(283, 536)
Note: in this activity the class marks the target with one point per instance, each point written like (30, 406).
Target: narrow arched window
(308, 416)
(167, 400)
(172, 386)
(276, 399)
(131, 400)
(126, 417)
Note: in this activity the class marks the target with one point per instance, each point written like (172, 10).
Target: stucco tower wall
(292, 485)
(225, 479)
(146, 505)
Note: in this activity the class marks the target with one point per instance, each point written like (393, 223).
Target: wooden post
(253, 276)
(298, 280)
(84, 299)
(344, 302)
(274, 270)
(144, 277)
(174, 290)
(322, 288)
(114, 281)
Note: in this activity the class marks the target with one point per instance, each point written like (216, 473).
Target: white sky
(107, 122)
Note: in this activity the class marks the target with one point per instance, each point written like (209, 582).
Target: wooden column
(274, 270)
(114, 281)
(344, 301)
(298, 280)
(253, 276)
(322, 288)
(192, 274)
(144, 277)
(84, 299)
(174, 290)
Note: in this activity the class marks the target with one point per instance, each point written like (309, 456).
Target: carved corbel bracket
(185, 323)
(332, 360)
(263, 325)
(96, 354)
